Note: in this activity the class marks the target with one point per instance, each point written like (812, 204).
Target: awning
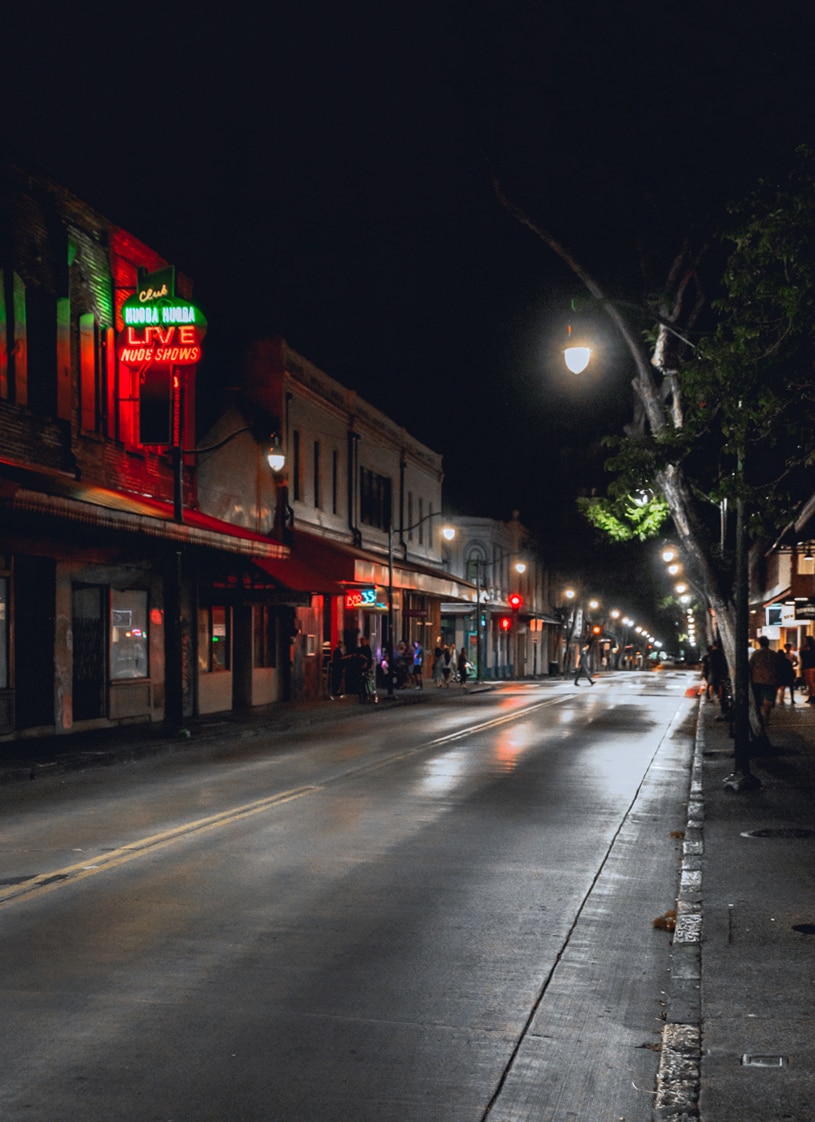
(317, 565)
(61, 496)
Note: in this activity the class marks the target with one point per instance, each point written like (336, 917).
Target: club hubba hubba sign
(160, 327)
(160, 331)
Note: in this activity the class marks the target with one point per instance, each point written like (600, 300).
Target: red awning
(314, 565)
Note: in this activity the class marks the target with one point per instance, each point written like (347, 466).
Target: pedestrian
(418, 662)
(583, 667)
(787, 672)
(447, 665)
(337, 670)
(706, 673)
(807, 664)
(463, 667)
(365, 662)
(438, 655)
(718, 673)
(764, 680)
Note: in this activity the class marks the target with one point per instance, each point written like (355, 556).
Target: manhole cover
(804, 928)
(781, 832)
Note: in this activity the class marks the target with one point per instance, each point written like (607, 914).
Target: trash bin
(554, 669)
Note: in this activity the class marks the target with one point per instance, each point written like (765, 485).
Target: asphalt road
(440, 913)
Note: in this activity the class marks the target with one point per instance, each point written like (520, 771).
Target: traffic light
(597, 631)
(515, 601)
(506, 623)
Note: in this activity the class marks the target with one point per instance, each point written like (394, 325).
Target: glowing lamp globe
(577, 358)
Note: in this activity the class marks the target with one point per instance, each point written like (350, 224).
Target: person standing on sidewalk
(807, 666)
(764, 680)
(583, 664)
(787, 672)
(418, 662)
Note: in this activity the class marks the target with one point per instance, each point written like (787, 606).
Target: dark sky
(326, 173)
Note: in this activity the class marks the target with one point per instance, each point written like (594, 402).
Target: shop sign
(361, 598)
(159, 328)
(776, 615)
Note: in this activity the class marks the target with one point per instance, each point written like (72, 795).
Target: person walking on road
(583, 664)
(764, 680)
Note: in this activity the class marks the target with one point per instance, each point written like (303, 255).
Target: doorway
(89, 631)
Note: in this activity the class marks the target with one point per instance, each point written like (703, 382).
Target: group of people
(772, 674)
(449, 663)
(354, 671)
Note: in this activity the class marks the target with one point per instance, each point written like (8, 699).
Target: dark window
(375, 499)
(317, 496)
(335, 462)
(91, 399)
(13, 338)
(296, 465)
(41, 330)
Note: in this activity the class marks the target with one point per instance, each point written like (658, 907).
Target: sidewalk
(743, 958)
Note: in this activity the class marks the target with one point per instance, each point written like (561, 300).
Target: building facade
(108, 571)
(358, 506)
(513, 633)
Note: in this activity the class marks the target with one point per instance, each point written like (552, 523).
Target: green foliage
(746, 394)
(626, 518)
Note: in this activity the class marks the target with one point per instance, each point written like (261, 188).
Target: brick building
(105, 560)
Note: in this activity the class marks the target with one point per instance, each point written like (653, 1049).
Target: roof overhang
(62, 497)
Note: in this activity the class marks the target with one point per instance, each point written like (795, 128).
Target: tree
(725, 423)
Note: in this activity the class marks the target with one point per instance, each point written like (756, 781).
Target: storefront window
(213, 639)
(128, 634)
(264, 635)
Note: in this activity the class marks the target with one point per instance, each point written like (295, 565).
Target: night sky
(327, 174)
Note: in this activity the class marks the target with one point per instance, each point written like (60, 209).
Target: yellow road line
(47, 882)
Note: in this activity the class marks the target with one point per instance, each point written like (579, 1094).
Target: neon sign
(179, 346)
(160, 327)
(361, 598)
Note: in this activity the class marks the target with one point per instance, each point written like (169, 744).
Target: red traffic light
(515, 601)
(506, 623)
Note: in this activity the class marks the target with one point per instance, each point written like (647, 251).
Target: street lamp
(275, 457)
(741, 778)
(448, 533)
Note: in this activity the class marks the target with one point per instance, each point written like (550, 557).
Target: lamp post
(741, 778)
(448, 533)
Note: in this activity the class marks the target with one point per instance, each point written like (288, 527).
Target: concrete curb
(679, 1074)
